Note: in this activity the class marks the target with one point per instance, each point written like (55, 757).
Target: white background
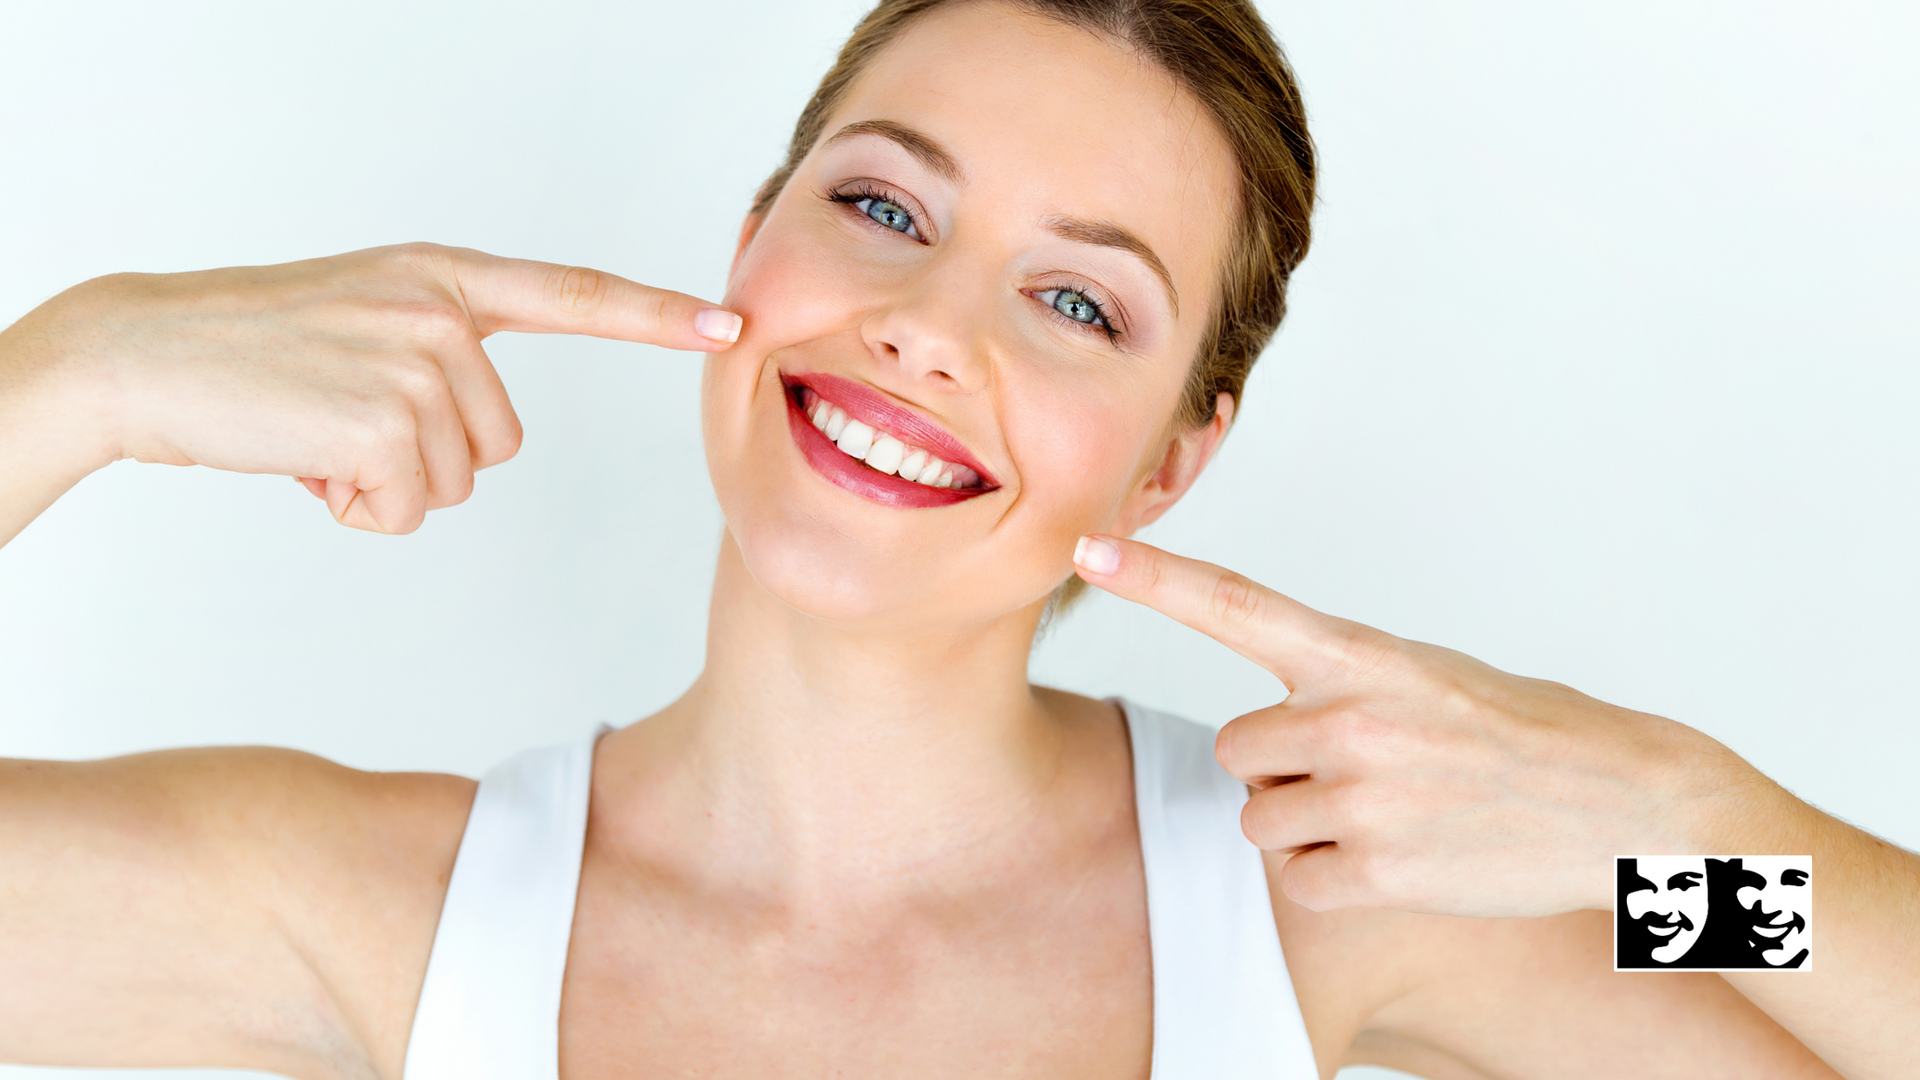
(1601, 368)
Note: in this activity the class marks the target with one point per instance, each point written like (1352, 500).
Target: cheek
(1079, 454)
(790, 288)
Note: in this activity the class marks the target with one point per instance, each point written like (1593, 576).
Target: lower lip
(870, 484)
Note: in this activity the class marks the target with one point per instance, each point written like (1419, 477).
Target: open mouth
(866, 444)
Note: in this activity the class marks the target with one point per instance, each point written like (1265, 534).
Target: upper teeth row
(881, 450)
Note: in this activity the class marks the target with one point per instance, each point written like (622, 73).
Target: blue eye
(891, 214)
(1077, 306)
(876, 207)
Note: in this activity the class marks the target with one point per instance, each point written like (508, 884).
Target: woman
(862, 841)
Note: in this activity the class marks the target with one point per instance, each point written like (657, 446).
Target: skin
(831, 832)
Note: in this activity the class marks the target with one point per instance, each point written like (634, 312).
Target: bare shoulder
(1461, 999)
(265, 901)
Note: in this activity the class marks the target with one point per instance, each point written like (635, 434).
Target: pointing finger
(1280, 634)
(547, 298)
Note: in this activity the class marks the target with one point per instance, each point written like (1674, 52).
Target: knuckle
(503, 445)
(1256, 822)
(1364, 651)
(442, 324)
(458, 489)
(386, 428)
(1228, 743)
(1356, 731)
(415, 254)
(417, 378)
(576, 291)
(1236, 600)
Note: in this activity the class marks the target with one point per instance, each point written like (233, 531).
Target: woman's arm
(1408, 777)
(1471, 999)
(248, 908)
(363, 372)
(254, 907)
(52, 431)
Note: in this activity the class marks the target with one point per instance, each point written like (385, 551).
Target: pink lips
(870, 407)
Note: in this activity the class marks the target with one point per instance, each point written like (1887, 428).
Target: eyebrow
(924, 150)
(1107, 234)
(1079, 230)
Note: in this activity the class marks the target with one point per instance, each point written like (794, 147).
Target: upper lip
(875, 409)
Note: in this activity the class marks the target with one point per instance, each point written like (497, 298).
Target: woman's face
(1001, 256)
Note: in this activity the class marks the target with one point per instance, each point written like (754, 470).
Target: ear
(1186, 455)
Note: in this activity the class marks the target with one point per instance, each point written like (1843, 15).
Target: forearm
(1857, 1005)
(51, 422)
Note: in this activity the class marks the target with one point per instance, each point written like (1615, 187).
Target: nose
(933, 330)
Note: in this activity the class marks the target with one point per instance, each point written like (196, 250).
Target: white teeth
(886, 454)
(855, 439)
(882, 451)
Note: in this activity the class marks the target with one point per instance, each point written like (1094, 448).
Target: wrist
(1719, 804)
(57, 392)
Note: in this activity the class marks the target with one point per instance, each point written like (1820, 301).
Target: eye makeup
(1079, 306)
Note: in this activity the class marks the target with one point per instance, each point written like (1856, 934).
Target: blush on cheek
(792, 286)
(1081, 455)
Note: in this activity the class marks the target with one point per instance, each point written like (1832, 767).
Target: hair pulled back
(1222, 52)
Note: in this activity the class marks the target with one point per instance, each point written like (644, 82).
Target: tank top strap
(490, 1006)
(1223, 1004)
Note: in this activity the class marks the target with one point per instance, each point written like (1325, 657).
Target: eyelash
(864, 191)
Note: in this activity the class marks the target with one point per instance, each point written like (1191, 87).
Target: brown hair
(1222, 52)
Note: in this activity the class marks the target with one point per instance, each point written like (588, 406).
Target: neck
(813, 760)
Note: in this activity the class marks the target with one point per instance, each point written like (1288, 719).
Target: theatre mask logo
(1702, 913)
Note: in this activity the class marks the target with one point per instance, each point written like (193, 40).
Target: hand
(1403, 775)
(361, 373)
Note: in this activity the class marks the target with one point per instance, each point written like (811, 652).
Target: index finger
(1286, 637)
(548, 298)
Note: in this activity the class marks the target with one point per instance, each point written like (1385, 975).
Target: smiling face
(1674, 910)
(1779, 910)
(991, 275)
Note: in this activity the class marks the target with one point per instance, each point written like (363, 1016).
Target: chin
(821, 571)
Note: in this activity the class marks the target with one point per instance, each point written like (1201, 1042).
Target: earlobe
(1186, 456)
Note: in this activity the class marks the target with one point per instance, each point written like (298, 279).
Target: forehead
(1048, 119)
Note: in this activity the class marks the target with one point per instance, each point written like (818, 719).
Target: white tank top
(1223, 1006)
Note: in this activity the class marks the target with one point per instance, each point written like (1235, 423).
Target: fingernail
(1097, 555)
(718, 325)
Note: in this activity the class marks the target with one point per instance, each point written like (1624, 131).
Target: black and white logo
(1703, 913)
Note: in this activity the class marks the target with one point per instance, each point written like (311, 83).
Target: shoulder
(271, 813)
(286, 876)
(272, 809)
(353, 865)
